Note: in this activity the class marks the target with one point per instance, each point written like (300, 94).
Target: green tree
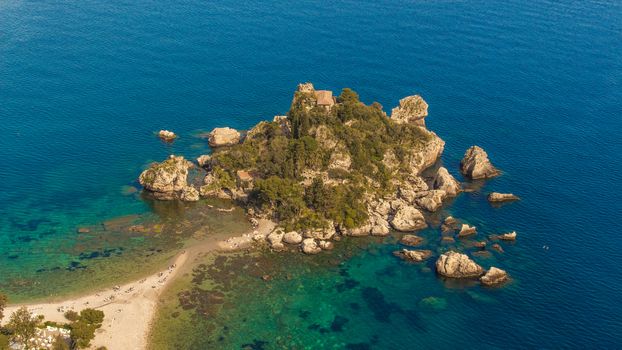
(72, 315)
(81, 334)
(83, 329)
(22, 326)
(347, 96)
(60, 344)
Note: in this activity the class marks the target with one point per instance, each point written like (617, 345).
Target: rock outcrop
(408, 218)
(426, 155)
(292, 237)
(430, 200)
(494, 276)
(476, 164)
(189, 194)
(204, 160)
(510, 236)
(310, 246)
(446, 182)
(467, 230)
(496, 197)
(166, 180)
(413, 255)
(220, 137)
(166, 135)
(457, 265)
(412, 109)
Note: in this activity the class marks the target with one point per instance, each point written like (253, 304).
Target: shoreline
(130, 308)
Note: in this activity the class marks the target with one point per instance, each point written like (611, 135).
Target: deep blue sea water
(538, 84)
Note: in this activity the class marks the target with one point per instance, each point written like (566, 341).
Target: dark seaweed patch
(255, 345)
(347, 284)
(338, 323)
(375, 301)
(358, 346)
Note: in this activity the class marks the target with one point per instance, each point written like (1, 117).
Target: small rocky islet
(334, 167)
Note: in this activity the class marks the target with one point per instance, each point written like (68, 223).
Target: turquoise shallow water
(536, 83)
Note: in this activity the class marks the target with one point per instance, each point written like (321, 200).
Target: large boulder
(476, 164)
(413, 255)
(446, 182)
(457, 265)
(167, 135)
(310, 246)
(496, 197)
(494, 276)
(408, 218)
(167, 179)
(292, 237)
(275, 238)
(412, 109)
(431, 200)
(223, 137)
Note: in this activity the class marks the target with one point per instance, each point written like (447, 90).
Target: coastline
(130, 308)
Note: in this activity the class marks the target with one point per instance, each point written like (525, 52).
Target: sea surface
(538, 84)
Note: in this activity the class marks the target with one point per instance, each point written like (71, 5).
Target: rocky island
(334, 167)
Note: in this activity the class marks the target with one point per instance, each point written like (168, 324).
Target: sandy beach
(130, 308)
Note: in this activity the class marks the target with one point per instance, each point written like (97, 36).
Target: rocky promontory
(168, 180)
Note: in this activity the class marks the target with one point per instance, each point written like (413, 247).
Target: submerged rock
(166, 180)
(413, 255)
(223, 137)
(408, 218)
(433, 303)
(457, 265)
(494, 276)
(450, 224)
(412, 109)
(495, 197)
(446, 182)
(497, 247)
(476, 164)
(411, 240)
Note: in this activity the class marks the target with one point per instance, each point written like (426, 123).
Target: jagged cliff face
(331, 164)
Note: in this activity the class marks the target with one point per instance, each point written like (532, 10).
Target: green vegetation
(22, 326)
(289, 162)
(71, 315)
(83, 329)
